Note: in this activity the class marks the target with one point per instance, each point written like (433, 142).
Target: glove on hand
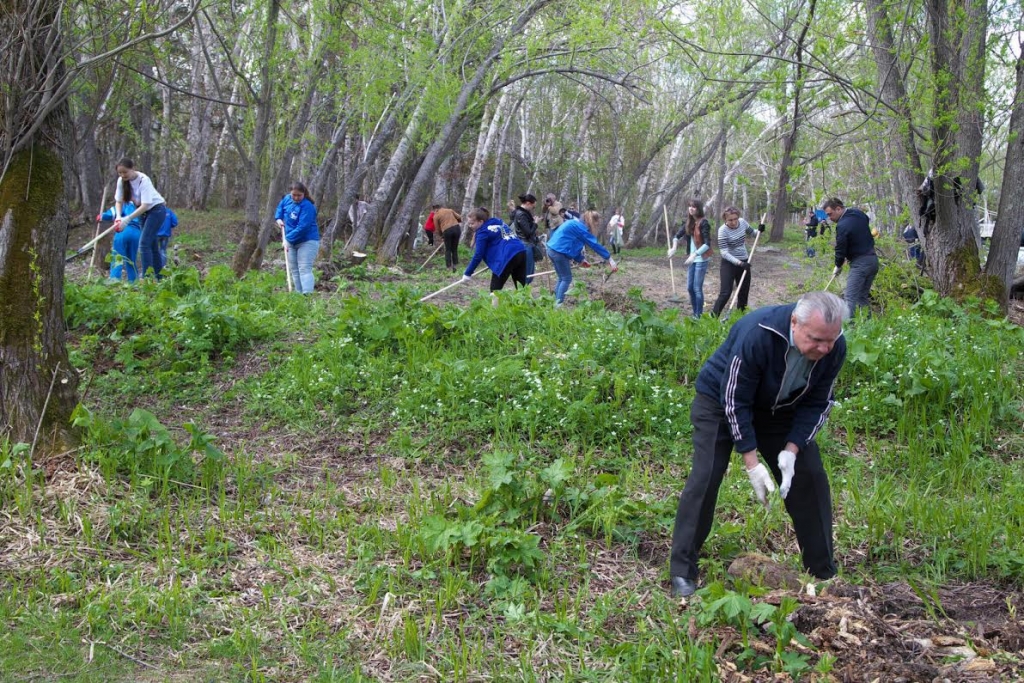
(836, 271)
(690, 259)
(787, 464)
(585, 263)
(118, 225)
(760, 227)
(612, 264)
(672, 249)
(99, 217)
(465, 279)
(761, 480)
(280, 223)
(745, 266)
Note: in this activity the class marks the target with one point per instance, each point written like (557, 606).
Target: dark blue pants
(809, 502)
(149, 244)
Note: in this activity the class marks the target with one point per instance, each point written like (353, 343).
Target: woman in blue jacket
(126, 243)
(296, 215)
(499, 248)
(566, 244)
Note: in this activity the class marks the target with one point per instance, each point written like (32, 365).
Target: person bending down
(566, 245)
(767, 389)
(499, 248)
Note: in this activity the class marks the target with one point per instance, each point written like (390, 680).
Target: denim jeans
(563, 269)
(300, 260)
(695, 285)
(149, 249)
(161, 243)
(863, 270)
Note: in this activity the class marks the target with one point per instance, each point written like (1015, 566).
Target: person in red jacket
(429, 226)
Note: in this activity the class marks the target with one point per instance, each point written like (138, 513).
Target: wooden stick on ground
(287, 266)
(439, 246)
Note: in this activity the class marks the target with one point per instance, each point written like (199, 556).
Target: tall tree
(37, 384)
(957, 34)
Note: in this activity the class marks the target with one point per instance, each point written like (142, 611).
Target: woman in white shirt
(150, 209)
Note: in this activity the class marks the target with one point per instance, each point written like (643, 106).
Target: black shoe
(683, 587)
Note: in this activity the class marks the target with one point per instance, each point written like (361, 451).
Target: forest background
(766, 105)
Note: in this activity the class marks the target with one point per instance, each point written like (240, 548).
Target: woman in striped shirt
(732, 244)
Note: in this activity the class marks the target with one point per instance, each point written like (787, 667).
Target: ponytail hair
(126, 188)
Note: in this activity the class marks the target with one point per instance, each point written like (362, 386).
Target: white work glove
(761, 480)
(612, 264)
(690, 259)
(836, 271)
(672, 249)
(787, 464)
(465, 279)
(280, 223)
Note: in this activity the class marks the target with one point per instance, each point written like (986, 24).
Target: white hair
(832, 308)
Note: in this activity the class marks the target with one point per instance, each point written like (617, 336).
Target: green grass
(357, 486)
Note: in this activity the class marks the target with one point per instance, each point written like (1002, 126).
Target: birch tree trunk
(488, 131)
(379, 206)
(448, 135)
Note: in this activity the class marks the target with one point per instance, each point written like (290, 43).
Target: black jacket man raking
(768, 389)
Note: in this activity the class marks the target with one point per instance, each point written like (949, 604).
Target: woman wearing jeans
(566, 244)
(137, 188)
(697, 231)
(296, 214)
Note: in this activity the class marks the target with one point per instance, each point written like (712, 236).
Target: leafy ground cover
(355, 486)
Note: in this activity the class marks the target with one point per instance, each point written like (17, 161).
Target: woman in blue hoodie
(566, 245)
(296, 215)
(126, 243)
(498, 247)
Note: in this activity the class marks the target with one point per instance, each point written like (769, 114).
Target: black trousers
(809, 502)
(430, 237)
(451, 245)
(731, 275)
(516, 269)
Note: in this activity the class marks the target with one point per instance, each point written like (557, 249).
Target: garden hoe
(430, 257)
(672, 273)
(287, 266)
(90, 244)
(447, 287)
(736, 294)
(92, 261)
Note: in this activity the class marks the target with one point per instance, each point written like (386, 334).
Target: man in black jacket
(856, 244)
(767, 388)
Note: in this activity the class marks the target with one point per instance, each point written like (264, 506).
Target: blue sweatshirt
(126, 209)
(571, 237)
(746, 374)
(853, 236)
(496, 245)
(170, 222)
(299, 220)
